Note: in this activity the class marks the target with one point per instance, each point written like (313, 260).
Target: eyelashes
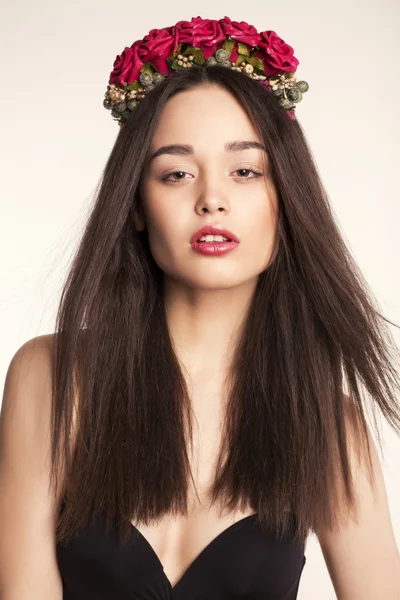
(175, 181)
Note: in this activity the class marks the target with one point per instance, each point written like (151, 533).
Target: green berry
(294, 94)
(221, 55)
(119, 107)
(285, 103)
(145, 78)
(157, 77)
(302, 86)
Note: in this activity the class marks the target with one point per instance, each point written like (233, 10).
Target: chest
(177, 541)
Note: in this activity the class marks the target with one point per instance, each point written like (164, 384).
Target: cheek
(167, 232)
(259, 229)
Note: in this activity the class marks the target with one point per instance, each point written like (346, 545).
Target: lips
(213, 230)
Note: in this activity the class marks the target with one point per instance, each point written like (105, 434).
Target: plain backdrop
(56, 58)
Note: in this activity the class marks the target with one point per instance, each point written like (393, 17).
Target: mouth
(214, 247)
(224, 235)
(223, 238)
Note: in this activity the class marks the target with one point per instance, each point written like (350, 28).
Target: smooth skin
(206, 296)
(206, 299)
(28, 565)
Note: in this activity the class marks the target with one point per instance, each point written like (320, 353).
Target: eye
(167, 177)
(257, 174)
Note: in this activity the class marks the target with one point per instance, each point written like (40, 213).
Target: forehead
(204, 117)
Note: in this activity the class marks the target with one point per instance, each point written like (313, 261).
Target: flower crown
(204, 42)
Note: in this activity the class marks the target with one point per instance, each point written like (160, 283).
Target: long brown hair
(312, 328)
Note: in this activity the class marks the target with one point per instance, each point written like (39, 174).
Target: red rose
(205, 34)
(122, 67)
(201, 33)
(157, 46)
(127, 65)
(276, 54)
(241, 32)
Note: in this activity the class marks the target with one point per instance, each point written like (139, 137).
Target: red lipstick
(214, 248)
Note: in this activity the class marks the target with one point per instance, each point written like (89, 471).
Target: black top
(241, 562)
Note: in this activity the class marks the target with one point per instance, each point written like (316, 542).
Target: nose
(211, 203)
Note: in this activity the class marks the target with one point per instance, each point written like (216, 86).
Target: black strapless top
(241, 562)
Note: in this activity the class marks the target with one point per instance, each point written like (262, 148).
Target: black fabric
(242, 563)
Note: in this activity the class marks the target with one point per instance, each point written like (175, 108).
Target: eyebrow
(187, 149)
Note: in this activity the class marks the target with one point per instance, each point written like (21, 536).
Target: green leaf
(257, 63)
(147, 68)
(243, 49)
(134, 85)
(198, 57)
(240, 59)
(228, 45)
(189, 50)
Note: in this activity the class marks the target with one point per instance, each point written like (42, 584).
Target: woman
(194, 386)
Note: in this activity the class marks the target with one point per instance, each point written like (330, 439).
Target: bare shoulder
(27, 508)
(362, 555)
(32, 362)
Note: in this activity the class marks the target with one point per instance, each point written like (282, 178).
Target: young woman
(185, 429)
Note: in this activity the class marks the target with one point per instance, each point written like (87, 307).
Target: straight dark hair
(312, 328)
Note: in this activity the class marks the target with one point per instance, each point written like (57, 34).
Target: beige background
(56, 136)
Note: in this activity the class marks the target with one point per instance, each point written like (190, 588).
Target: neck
(205, 324)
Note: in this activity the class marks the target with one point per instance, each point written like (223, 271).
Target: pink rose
(206, 34)
(127, 65)
(122, 67)
(201, 33)
(157, 46)
(241, 32)
(276, 54)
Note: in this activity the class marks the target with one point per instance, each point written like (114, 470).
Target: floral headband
(204, 42)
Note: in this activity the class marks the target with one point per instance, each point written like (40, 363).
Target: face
(183, 191)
